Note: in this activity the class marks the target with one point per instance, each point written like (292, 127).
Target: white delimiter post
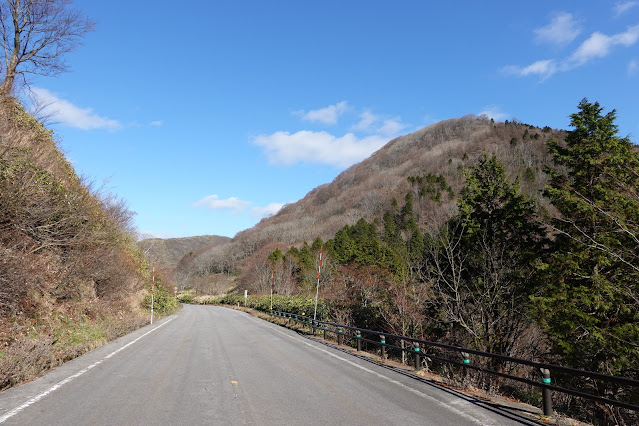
(152, 288)
(319, 269)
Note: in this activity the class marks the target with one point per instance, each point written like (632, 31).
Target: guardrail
(419, 351)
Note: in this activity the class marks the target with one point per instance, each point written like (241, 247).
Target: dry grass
(71, 276)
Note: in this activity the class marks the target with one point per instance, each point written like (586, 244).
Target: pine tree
(487, 257)
(591, 304)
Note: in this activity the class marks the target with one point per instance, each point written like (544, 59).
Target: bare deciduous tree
(35, 36)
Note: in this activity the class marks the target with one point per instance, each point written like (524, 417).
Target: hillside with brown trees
(366, 189)
(168, 252)
(71, 275)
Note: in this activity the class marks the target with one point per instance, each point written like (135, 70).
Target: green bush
(164, 303)
(293, 304)
(185, 298)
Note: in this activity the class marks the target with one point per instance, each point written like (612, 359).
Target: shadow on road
(520, 415)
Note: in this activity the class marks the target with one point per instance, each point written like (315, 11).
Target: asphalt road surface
(211, 365)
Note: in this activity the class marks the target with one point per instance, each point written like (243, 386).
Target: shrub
(164, 303)
(293, 304)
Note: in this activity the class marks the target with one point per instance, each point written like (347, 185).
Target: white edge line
(74, 376)
(381, 376)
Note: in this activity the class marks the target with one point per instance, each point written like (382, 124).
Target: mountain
(366, 190)
(168, 252)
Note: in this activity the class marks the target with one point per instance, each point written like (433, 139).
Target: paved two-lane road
(211, 365)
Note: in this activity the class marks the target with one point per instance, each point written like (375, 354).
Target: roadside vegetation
(71, 275)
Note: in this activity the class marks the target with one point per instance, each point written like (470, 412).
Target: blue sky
(205, 116)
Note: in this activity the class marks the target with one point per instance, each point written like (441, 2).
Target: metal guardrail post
(465, 362)
(546, 393)
(417, 357)
(382, 339)
(340, 337)
(359, 341)
(325, 330)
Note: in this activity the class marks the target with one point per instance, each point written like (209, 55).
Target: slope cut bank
(71, 275)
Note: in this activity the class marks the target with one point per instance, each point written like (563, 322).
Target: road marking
(74, 376)
(484, 421)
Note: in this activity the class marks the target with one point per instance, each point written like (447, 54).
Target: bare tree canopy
(35, 36)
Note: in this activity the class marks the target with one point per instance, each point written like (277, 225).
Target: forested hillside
(501, 237)
(367, 189)
(71, 275)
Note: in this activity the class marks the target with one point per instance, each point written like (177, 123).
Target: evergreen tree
(484, 260)
(275, 256)
(591, 303)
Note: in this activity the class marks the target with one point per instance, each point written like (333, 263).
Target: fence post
(359, 341)
(325, 329)
(382, 339)
(417, 357)
(465, 362)
(340, 337)
(546, 393)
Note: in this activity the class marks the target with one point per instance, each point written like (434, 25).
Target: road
(212, 365)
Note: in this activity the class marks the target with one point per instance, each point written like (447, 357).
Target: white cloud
(391, 127)
(267, 211)
(215, 203)
(156, 123)
(633, 67)
(622, 7)
(382, 125)
(493, 111)
(321, 147)
(366, 121)
(599, 45)
(544, 69)
(284, 148)
(328, 115)
(560, 31)
(64, 112)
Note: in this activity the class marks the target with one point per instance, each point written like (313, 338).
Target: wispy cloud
(366, 121)
(599, 45)
(624, 6)
(391, 127)
(270, 210)
(327, 115)
(633, 67)
(562, 29)
(379, 124)
(543, 69)
(237, 206)
(64, 112)
(214, 202)
(596, 46)
(494, 112)
(156, 123)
